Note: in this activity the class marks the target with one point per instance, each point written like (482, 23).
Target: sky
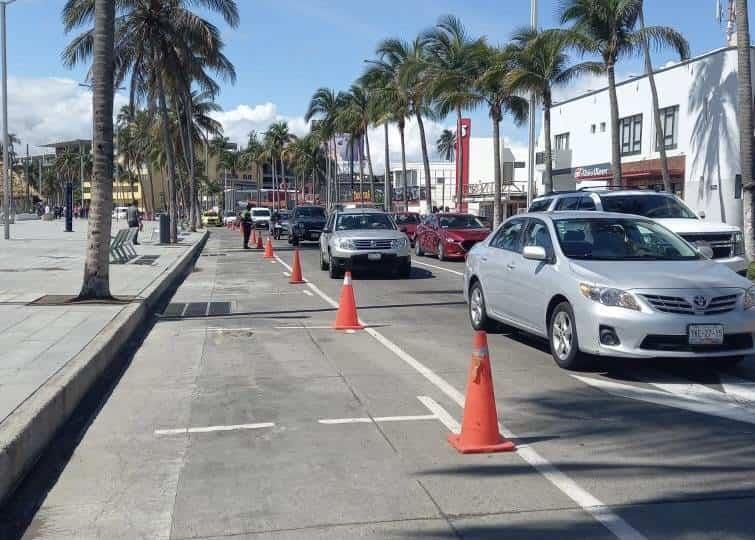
(285, 49)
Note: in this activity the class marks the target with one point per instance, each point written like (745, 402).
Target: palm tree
(276, 138)
(540, 63)
(359, 104)
(378, 80)
(162, 46)
(492, 90)
(454, 65)
(325, 106)
(253, 157)
(96, 281)
(446, 144)
(744, 118)
(608, 28)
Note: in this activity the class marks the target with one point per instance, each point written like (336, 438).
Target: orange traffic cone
(269, 249)
(347, 318)
(254, 236)
(479, 428)
(259, 241)
(296, 276)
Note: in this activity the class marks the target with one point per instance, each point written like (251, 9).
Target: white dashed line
(367, 420)
(210, 429)
(456, 272)
(441, 414)
(308, 293)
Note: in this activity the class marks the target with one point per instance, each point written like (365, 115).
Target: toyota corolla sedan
(609, 284)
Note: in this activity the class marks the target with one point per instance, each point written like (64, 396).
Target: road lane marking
(590, 504)
(441, 414)
(308, 293)
(415, 261)
(729, 411)
(740, 389)
(287, 274)
(367, 420)
(210, 429)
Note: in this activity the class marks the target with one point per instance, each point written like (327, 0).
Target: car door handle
(511, 266)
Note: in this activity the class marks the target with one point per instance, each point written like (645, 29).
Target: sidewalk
(36, 341)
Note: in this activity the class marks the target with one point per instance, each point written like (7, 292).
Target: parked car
(609, 284)
(407, 223)
(261, 218)
(449, 235)
(306, 224)
(229, 217)
(280, 226)
(363, 238)
(211, 218)
(726, 241)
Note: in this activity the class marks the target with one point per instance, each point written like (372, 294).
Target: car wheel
(728, 361)
(418, 248)
(562, 336)
(441, 252)
(404, 270)
(323, 263)
(478, 313)
(335, 272)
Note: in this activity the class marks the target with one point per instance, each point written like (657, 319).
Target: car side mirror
(535, 253)
(705, 251)
(701, 213)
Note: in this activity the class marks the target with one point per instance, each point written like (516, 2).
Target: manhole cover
(69, 300)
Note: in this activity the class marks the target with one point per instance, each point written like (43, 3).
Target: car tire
(441, 252)
(404, 270)
(478, 312)
(334, 271)
(418, 248)
(323, 263)
(563, 340)
(729, 362)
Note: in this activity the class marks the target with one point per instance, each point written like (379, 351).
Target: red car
(407, 223)
(449, 235)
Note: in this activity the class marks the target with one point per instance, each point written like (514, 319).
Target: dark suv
(306, 224)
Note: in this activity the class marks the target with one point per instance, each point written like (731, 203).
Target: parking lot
(244, 415)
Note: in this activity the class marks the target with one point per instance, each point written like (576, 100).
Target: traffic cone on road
(347, 317)
(296, 276)
(269, 249)
(259, 241)
(254, 237)
(479, 428)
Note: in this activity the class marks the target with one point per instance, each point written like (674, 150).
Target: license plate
(705, 334)
(374, 256)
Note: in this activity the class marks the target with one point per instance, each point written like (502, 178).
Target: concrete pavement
(254, 419)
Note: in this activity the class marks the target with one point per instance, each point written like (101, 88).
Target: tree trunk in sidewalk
(548, 157)
(425, 164)
(615, 142)
(369, 164)
(169, 158)
(388, 177)
(403, 165)
(744, 114)
(498, 176)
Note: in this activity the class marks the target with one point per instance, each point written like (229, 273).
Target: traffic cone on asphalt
(268, 249)
(296, 276)
(254, 237)
(479, 428)
(259, 241)
(347, 318)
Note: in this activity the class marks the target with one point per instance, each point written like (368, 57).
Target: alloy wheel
(562, 335)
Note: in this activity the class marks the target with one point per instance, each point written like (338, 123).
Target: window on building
(561, 142)
(602, 127)
(670, 125)
(539, 158)
(630, 129)
(592, 128)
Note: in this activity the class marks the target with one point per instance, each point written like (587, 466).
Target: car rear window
(311, 211)
(406, 219)
(540, 206)
(261, 213)
(649, 206)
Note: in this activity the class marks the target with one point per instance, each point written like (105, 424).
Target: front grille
(721, 243)
(732, 342)
(677, 304)
(372, 244)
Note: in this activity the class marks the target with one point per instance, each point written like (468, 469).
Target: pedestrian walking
(132, 217)
(246, 224)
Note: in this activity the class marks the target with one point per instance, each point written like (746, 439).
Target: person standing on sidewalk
(246, 224)
(132, 216)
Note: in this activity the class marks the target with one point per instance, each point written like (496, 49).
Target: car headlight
(749, 299)
(738, 240)
(399, 243)
(346, 244)
(609, 296)
(451, 240)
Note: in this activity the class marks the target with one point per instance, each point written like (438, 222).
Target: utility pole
(531, 148)
(6, 178)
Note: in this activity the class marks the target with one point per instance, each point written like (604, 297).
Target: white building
(698, 100)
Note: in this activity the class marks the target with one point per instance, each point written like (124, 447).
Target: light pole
(6, 179)
(531, 148)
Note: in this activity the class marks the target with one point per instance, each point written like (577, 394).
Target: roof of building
(65, 144)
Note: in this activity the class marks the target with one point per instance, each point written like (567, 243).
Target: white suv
(261, 218)
(725, 241)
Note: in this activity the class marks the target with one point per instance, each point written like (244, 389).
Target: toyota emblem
(700, 301)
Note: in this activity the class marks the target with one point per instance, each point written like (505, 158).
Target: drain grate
(146, 260)
(214, 254)
(196, 309)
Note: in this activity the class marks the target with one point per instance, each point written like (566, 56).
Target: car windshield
(604, 239)
(540, 206)
(229, 213)
(350, 222)
(283, 215)
(210, 213)
(407, 219)
(650, 206)
(461, 222)
(261, 213)
(310, 211)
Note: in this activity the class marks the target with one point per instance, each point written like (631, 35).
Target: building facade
(698, 102)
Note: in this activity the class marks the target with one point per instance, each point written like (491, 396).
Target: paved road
(259, 421)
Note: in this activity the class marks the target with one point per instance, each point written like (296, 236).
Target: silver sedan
(609, 285)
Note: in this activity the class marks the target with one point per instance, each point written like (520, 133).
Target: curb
(25, 434)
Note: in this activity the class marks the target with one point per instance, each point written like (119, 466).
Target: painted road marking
(590, 504)
(414, 261)
(441, 414)
(287, 274)
(308, 293)
(367, 420)
(740, 389)
(210, 429)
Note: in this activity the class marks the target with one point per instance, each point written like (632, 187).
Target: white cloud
(241, 120)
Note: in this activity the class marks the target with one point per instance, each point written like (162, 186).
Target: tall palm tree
(744, 117)
(608, 28)
(540, 63)
(276, 138)
(325, 106)
(492, 90)
(446, 144)
(96, 281)
(454, 65)
(359, 105)
(378, 80)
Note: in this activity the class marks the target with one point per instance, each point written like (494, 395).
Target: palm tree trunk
(744, 95)
(285, 182)
(403, 164)
(548, 158)
(459, 163)
(96, 281)
(659, 135)
(151, 189)
(369, 163)
(171, 165)
(498, 177)
(336, 188)
(615, 144)
(425, 164)
(194, 220)
(275, 182)
(361, 175)
(351, 164)
(388, 179)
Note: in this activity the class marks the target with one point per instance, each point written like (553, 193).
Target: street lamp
(531, 148)
(6, 179)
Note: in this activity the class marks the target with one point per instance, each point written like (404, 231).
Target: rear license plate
(705, 334)
(374, 256)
